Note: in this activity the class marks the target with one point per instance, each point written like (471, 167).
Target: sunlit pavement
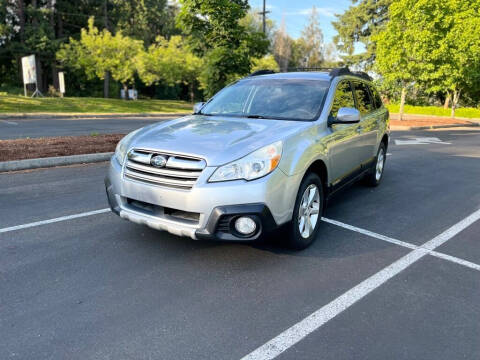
(98, 287)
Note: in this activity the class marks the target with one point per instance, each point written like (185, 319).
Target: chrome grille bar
(165, 172)
(179, 172)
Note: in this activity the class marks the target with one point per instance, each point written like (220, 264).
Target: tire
(375, 176)
(300, 239)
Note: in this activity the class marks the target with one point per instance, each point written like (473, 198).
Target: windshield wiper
(256, 117)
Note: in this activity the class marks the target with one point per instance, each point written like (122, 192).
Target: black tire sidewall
(370, 178)
(380, 148)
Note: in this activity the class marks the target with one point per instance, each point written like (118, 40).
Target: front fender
(301, 151)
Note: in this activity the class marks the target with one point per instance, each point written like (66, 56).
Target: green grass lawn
(20, 104)
(436, 111)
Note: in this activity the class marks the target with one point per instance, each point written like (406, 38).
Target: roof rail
(333, 72)
(262, 72)
(346, 71)
(303, 69)
(363, 75)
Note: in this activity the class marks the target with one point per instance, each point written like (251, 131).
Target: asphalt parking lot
(394, 274)
(45, 127)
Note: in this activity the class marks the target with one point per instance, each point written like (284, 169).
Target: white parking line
(9, 122)
(370, 233)
(456, 260)
(404, 244)
(300, 330)
(58, 219)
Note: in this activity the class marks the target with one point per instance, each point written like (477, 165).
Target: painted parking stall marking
(421, 141)
(439, 255)
(330, 221)
(303, 328)
(54, 220)
(9, 122)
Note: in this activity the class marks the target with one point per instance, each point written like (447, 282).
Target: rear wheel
(307, 213)
(376, 174)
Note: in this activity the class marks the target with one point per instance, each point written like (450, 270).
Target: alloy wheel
(309, 211)
(380, 163)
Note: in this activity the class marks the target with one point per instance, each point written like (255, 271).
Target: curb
(396, 115)
(53, 161)
(19, 116)
(431, 127)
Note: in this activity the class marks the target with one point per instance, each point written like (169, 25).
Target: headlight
(253, 166)
(122, 146)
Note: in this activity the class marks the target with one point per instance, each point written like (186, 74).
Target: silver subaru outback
(264, 152)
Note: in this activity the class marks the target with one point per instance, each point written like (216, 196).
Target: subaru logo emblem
(158, 161)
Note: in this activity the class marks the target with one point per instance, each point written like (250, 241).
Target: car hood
(216, 139)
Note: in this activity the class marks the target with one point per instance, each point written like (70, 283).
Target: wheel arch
(385, 141)
(320, 168)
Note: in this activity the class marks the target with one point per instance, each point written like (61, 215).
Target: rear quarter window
(365, 103)
(376, 97)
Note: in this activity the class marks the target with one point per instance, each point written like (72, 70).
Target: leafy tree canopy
(99, 51)
(356, 26)
(215, 32)
(433, 43)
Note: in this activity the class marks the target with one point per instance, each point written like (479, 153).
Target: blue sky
(296, 12)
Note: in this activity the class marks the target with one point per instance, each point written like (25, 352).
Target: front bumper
(206, 211)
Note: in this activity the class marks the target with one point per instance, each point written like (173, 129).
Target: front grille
(178, 172)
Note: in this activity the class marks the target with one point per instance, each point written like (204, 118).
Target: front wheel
(376, 174)
(307, 213)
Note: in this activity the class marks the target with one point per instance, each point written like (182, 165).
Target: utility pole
(264, 13)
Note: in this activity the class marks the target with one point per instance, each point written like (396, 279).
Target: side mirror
(347, 115)
(197, 107)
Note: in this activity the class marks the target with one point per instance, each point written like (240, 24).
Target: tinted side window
(376, 97)
(343, 98)
(364, 101)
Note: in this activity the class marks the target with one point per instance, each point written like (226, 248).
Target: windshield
(289, 99)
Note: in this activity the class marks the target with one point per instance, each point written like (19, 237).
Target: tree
(432, 43)
(265, 63)
(169, 61)
(298, 58)
(359, 24)
(282, 47)
(394, 54)
(313, 39)
(450, 47)
(39, 27)
(330, 56)
(253, 23)
(214, 32)
(98, 52)
(144, 20)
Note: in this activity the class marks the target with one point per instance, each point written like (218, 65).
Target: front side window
(343, 98)
(364, 101)
(287, 99)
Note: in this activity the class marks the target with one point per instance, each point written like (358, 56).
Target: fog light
(245, 225)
